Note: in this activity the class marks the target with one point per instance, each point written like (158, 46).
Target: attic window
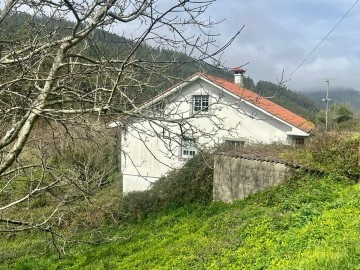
(200, 103)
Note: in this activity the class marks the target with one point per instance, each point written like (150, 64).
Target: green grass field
(310, 222)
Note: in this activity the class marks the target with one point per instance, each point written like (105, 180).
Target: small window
(188, 148)
(234, 144)
(298, 141)
(201, 103)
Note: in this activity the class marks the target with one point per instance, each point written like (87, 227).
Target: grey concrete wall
(237, 177)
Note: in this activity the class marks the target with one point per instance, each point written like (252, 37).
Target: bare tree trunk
(60, 64)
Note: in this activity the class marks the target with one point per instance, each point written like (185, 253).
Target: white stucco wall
(149, 151)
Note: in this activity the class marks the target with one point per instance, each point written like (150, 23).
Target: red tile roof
(263, 103)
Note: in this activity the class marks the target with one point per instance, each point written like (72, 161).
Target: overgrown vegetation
(310, 222)
(79, 167)
(330, 152)
(338, 113)
(191, 184)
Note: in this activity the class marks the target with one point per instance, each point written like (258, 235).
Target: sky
(279, 34)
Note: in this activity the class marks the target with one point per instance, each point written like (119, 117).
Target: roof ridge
(263, 103)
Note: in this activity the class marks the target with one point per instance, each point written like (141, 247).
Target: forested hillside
(109, 45)
(337, 95)
(294, 101)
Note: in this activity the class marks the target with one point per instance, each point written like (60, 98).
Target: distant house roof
(247, 95)
(265, 104)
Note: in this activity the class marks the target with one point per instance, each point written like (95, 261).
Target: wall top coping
(264, 158)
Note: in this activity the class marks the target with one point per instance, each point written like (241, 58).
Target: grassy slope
(308, 223)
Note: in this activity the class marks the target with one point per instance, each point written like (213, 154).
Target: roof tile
(263, 103)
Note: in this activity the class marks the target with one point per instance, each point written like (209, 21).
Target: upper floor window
(200, 103)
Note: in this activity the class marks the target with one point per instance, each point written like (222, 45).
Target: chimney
(239, 75)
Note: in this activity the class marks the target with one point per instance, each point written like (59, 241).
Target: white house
(202, 111)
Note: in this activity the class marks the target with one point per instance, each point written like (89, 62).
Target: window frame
(231, 143)
(200, 108)
(188, 145)
(295, 141)
(235, 142)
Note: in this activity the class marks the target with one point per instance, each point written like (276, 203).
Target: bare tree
(60, 71)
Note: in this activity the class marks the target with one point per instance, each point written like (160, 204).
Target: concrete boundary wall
(237, 176)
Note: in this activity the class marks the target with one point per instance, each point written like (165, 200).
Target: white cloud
(279, 35)
(342, 71)
(328, 65)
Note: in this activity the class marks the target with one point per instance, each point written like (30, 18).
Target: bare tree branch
(64, 75)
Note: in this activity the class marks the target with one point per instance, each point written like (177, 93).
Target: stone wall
(235, 177)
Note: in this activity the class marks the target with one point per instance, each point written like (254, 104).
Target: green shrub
(338, 113)
(330, 152)
(190, 184)
(86, 190)
(350, 125)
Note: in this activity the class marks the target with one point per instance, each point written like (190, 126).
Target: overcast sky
(279, 34)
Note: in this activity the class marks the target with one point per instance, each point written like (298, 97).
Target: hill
(173, 66)
(109, 45)
(337, 95)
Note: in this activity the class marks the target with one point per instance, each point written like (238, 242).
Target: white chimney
(239, 76)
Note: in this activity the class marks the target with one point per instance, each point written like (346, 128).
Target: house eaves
(268, 107)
